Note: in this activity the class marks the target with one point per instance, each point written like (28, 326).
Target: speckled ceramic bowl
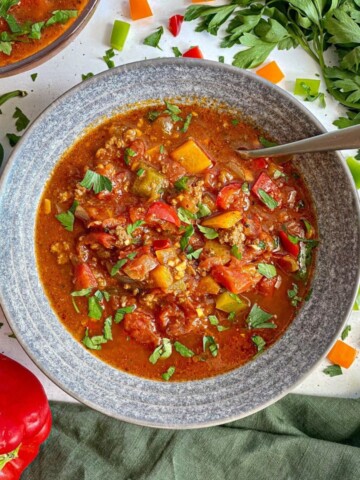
(54, 47)
(196, 403)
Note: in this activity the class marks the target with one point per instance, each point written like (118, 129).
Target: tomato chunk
(228, 196)
(163, 211)
(259, 163)
(84, 277)
(161, 244)
(104, 239)
(234, 279)
(141, 327)
(292, 248)
(194, 52)
(266, 286)
(175, 23)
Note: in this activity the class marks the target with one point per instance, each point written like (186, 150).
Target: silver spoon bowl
(344, 139)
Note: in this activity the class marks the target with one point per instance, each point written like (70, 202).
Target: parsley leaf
(86, 76)
(163, 351)
(133, 226)
(93, 343)
(67, 219)
(95, 309)
(33, 76)
(119, 264)
(177, 52)
(129, 152)
(235, 252)
(107, 328)
(120, 312)
(267, 270)
(269, 201)
(185, 215)
(98, 183)
(345, 332)
(333, 370)
(259, 342)
(208, 233)
(183, 350)
(13, 139)
(187, 122)
(182, 184)
(154, 39)
(203, 211)
(184, 240)
(109, 54)
(81, 293)
(258, 318)
(61, 16)
(194, 255)
(152, 116)
(209, 343)
(293, 295)
(267, 143)
(168, 374)
(173, 111)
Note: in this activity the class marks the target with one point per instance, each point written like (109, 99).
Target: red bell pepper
(228, 195)
(265, 183)
(175, 23)
(194, 52)
(292, 248)
(163, 211)
(161, 244)
(259, 163)
(25, 418)
(83, 277)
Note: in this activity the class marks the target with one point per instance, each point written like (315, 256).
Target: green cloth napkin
(299, 437)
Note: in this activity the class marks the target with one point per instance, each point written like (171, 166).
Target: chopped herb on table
(7, 96)
(154, 39)
(333, 370)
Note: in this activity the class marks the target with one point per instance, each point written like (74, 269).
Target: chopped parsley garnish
(221, 59)
(293, 295)
(67, 219)
(81, 293)
(267, 270)
(277, 174)
(203, 211)
(208, 232)
(61, 16)
(93, 343)
(210, 344)
(262, 245)
(119, 264)
(162, 351)
(98, 183)
(129, 152)
(182, 184)
(235, 252)
(13, 139)
(140, 172)
(267, 143)
(213, 320)
(177, 52)
(154, 39)
(161, 149)
(258, 318)
(259, 342)
(333, 370)
(173, 111)
(221, 328)
(109, 54)
(22, 120)
(305, 256)
(152, 116)
(86, 76)
(235, 121)
(33, 76)
(245, 187)
(15, 93)
(120, 312)
(107, 328)
(235, 297)
(187, 122)
(231, 316)
(194, 255)
(184, 240)
(184, 351)
(345, 332)
(168, 374)
(133, 226)
(269, 201)
(95, 310)
(185, 215)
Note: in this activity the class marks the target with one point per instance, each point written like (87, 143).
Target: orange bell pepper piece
(271, 72)
(342, 354)
(139, 9)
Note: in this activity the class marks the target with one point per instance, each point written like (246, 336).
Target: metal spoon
(344, 139)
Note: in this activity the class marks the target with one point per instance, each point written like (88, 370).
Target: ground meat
(123, 239)
(64, 196)
(233, 236)
(79, 192)
(111, 151)
(61, 250)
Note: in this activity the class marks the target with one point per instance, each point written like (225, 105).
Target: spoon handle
(343, 139)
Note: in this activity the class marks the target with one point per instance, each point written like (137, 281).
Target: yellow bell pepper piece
(208, 285)
(47, 206)
(166, 255)
(226, 303)
(216, 249)
(223, 220)
(191, 157)
(162, 277)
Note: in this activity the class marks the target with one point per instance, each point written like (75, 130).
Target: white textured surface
(84, 55)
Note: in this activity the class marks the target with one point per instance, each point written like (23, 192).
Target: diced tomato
(175, 23)
(194, 52)
(259, 163)
(293, 248)
(228, 195)
(252, 226)
(234, 279)
(139, 147)
(84, 277)
(139, 268)
(265, 183)
(141, 327)
(161, 244)
(104, 239)
(266, 286)
(163, 211)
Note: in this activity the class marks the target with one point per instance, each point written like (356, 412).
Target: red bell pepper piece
(25, 418)
(175, 23)
(161, 244)
(194, 52)
(265, 183)
(163, 211)
(259, 163)
(292, 248)
(235, 277)
(227, 195)
(83, 277)
(104, 239)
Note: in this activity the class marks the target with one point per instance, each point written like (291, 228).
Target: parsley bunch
(314, 25)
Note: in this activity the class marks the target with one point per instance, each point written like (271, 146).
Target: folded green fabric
(299, 437)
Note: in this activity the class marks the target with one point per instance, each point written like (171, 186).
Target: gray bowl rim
(134, 66)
